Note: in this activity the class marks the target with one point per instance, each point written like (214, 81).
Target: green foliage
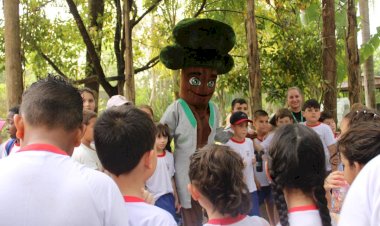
(370, 47)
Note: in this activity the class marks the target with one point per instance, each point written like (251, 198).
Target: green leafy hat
(200, 43)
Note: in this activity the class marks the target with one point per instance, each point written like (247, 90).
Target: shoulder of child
(154, 216)
(259, 221)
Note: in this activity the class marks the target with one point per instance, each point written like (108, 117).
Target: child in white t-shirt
(161, 184)
(217, 183)
(124, 138)
(311, 112)
(244, 147)
(297, 168)
(85, 153)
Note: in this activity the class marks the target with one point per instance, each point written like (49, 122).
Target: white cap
(117, 100)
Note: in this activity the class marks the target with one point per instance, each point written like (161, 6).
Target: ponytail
(321, 201)
(280, 202)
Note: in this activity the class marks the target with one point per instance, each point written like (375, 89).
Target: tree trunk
(13, 70)
(328, 57)
(352, 55)
(96, 10)
(128, 55)
(253, 58)
(369, 81)
(175, 79)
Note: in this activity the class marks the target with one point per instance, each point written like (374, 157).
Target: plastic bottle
(338, 195)
(259, 161)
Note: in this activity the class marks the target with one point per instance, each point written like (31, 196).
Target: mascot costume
(201, 52)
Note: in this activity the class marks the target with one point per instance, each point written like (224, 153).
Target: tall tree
(96, 11)
(128, 55)
(253, 58)
(13, 70)
(328, 56)
(369, 81)
(352, 54)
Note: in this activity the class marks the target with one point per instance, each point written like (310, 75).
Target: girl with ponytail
(297, 168)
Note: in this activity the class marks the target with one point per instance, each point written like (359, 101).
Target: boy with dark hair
(12, 144)
(264, 191)
(124, 138)
(244, 147)
(50, 188)
(311, 112)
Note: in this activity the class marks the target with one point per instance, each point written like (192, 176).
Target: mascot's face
(198, 85)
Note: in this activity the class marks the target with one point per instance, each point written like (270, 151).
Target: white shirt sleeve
(361, 206)
(329, 136)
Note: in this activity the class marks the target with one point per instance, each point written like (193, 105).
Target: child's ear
(150, 159)
(79, 135)
(20, 126)
(193, 192)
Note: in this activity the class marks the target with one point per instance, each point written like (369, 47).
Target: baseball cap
(117, 100)
(239, 117)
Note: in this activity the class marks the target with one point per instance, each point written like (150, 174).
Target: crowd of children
(288, 166)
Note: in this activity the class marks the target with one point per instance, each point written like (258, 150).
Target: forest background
(289, 39)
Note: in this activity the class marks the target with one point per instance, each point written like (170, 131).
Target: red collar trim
(236, 141)
(16, 144)
(319, 123)
(132, 199)
(302, 208)
(43, 147)
(226, 220)
(161, 155)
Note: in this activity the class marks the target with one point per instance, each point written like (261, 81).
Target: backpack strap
(9, 146)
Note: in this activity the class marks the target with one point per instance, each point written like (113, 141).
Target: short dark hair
(88, 115)
(52, 102)
(122, 136)
(15, 109)
(237, 101)
(312, 103)
(282, 113)
(325, 115)
(259, 113)
(217, 172)
(147, 107)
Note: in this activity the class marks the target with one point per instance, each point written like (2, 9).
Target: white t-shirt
(41, 185)
(361, 206)
(87, 157)
(267, 142)
(241, 220)
(160, 182)
(304, 216)
(246, 151)
(14, 148)
(144, 214)
(327, 138)
(262, 176)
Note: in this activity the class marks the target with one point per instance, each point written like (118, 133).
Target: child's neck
(238, 138)
(309, 123)
(131, 184)
(86, 143)
(159, 151)
(261, 135)
(296, 198)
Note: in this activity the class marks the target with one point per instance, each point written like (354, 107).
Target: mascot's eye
(194, 81)
(211, 84)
